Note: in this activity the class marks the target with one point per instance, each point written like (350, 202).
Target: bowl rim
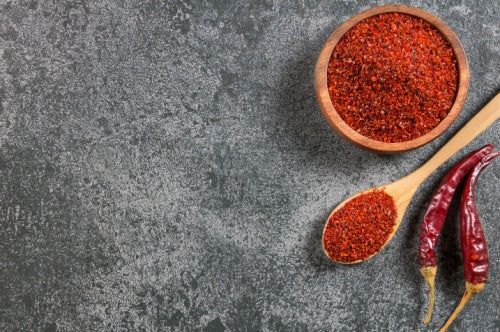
(349, 134)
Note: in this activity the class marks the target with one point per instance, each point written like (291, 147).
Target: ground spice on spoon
(360, 228)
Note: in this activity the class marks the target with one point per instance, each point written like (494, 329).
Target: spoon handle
(479, 123)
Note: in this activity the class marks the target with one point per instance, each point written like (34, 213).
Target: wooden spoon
(402, 190)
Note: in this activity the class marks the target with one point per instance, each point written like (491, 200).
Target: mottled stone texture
(164, 166)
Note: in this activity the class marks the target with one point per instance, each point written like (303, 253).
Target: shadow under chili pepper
(407, 248)
(448, 250)
(450, 278)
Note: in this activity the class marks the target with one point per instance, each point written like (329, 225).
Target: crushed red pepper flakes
(393, 77)
(360, 228)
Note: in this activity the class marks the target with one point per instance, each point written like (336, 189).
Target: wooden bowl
(349, 134)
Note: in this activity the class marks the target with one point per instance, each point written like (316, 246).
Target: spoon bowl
(402, 190)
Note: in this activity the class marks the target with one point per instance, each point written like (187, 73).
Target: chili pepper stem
(429, 274)
(470, 291)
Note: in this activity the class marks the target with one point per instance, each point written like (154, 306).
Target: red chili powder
(360, 228)
(393, 77)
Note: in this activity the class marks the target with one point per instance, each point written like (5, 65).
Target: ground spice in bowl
(393, 77)
(360, 228)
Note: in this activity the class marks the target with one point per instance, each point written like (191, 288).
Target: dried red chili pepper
(474, 250)
(436, 215)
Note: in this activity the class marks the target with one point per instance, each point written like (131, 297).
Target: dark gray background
(164, 166)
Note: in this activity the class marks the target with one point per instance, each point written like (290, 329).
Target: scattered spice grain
(393, 77)
(360, 228)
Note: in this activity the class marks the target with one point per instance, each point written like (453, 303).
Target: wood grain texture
(349, 134)
(403, 189)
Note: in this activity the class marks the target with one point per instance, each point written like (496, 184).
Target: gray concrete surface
(164, 166)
